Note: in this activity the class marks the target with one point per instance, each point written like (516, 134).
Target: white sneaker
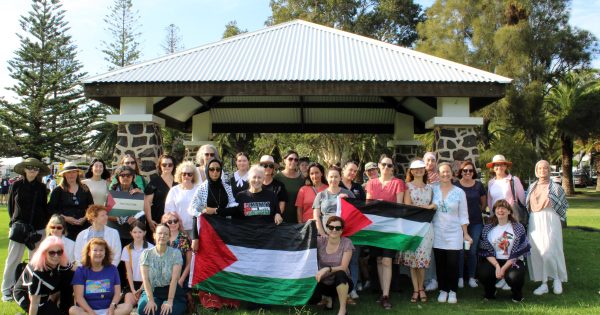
(353, 294)
(557, 287)
(359, 287)
(500, 284)
(7, 298)
(506, 287)
(461, 283)
(543, 289)
(473, 283)
(443, 296)
(452, 297)
(432, 285)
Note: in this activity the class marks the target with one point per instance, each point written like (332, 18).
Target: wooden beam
(306, 128)
(164, 103)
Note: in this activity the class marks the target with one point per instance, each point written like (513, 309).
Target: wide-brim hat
(499, 159)
(20, 168)
(69, 167)
(268, 159)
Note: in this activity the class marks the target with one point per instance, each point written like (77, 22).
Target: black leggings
(339, 277)
(49, 308)
(514, 277)
(446, 268)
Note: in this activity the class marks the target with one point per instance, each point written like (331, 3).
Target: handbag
(519, 209)
(24, 232)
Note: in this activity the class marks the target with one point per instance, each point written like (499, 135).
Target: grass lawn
(581, 294)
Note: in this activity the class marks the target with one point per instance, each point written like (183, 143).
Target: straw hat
(69, 167)
(20, 168)
(498, 159)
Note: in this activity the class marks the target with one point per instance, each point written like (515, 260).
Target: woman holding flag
(326, 202)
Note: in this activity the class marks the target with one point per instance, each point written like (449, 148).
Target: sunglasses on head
(53, 253)
(125, 175)
(166, 164)
(187, 174)
(388, 165)
(267, 165)
(468, 170)
(174, 221)
(55, 227)
(337, 227)
(214, 169)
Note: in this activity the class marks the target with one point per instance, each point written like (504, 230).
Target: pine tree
(51, 115)
(122, 24)
(173, 41)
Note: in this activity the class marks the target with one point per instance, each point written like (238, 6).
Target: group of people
(90, 261)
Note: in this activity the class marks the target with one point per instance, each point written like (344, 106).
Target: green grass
(581, 294)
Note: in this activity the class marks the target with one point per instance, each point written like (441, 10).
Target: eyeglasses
(336, 227)
(174, 221)
(291, 159)
(32, 168)
(214, 169)
(55, 227)
(468, 170)
(58, 253)
(125, 175)
(187, 174)
(388, 165)
(129, 163)
(267, 165)
(75, 200)
(166, 164)
(209, 154)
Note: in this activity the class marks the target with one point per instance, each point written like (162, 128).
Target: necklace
(215, 198)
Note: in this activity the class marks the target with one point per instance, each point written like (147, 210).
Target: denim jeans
(475, 233)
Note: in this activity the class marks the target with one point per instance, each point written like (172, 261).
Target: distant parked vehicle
(556, 177)
(580, 179)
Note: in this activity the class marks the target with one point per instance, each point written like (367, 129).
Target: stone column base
(403, 155)
(456, 144)
(142, 139)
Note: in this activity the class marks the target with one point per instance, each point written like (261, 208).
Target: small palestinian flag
(256, 262)
(385, 224)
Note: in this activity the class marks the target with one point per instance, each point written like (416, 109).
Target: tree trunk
(566, 146)
(596, 168)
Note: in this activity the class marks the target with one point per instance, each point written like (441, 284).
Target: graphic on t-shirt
(503, 242)
(257, 208)
(97, 286)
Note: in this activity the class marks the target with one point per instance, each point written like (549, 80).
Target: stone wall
(190, 153)
(456, 144)
(403, 155)
(144, 140)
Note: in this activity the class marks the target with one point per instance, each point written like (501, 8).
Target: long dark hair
(321, 168)
(105, 172)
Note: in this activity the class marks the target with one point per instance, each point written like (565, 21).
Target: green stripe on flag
(260, 290)
(393, 241)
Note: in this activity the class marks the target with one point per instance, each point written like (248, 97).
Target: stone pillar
(405, 147)
(142, 139)
(403, 155)
(456, 143)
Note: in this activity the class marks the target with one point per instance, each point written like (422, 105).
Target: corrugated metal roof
(298, 51)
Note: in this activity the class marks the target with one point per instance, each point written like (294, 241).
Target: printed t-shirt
(98, 286)
(502, 239)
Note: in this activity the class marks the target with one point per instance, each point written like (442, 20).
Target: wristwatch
(113, 305)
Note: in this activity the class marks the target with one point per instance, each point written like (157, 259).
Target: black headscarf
(217, 195)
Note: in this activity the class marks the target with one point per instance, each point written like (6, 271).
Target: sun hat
(268, 159)
(498, 159)
(370, 166)
(20, 168)
(417, 164)
(69, 167)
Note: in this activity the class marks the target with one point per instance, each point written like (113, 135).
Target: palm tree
(572, 109)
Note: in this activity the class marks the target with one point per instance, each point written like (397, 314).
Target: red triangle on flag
(110, 203)
(353, 218)
(213, 254)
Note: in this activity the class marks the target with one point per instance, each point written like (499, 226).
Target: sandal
(350, 301)
(423, 296)
(414, 297)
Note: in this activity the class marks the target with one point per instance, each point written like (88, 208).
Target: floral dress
(421, 257)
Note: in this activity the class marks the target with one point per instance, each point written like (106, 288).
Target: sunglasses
(129, 163)
(125, 175)
(209, 154)
(187, 174)
(75, 200)
(32, 168)
(337, 227)
(388, 165)
(214, 169)
(166, 164)
(291, 159)
(175, 221)
(468, 170)
(58, 253)
(56, 227)
(268, 165)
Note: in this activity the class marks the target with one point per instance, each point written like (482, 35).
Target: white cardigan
(111, 236)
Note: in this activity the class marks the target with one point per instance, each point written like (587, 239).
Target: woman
(26, 204)
(371, 171)
(431, 167)
(70, 199)
(97, 216)
(306, 195)
(58, 227)
(37, 289)
(96, 283)
(303, 164)
(124, 182)
(179, 239)
(180, 196)
(213, 193)
(205, 154)
(161, 267)
(157, 190)
(476, 203)
(97, 181)
(419, 194)
(334, 253)
(131, 161)
(326, 202)
(387, 188)
(349, 172)
(292, 179)
(239, 181)
(547, 205)
(501, 185)
(271, 184)
(130, 256)
(503, 244)
(450, 231)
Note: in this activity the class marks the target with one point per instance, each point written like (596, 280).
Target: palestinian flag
(256, 262)
(385, 224)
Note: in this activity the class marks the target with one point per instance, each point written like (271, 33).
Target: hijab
(542, 179)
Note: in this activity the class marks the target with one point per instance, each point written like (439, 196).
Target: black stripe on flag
(285, 236)
(393, 210)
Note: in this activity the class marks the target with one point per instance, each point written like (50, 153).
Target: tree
(51, 116)
(173, 40)
(123, 26)
(232, 29)
(572, 109)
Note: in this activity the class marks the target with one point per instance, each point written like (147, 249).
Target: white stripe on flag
(274, 263)
(396, 225)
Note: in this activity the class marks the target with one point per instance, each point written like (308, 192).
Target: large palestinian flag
(385, 224)
(257, 262)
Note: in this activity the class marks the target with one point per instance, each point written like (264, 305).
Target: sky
(200, 22)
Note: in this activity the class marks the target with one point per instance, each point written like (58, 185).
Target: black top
(473, 194)
(234, 186)
(73, 205)
(261, 206)
(277, 188)
(356, 189)
(25, 198)
(39, 282)
(160, 189)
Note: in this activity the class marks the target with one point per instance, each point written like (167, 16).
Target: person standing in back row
(293, 180)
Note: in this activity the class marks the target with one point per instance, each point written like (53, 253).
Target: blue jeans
(475, 233)
(160, 296)
(354, 272)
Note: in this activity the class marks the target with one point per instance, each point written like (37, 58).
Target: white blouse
(452, 212)
(179, 200)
